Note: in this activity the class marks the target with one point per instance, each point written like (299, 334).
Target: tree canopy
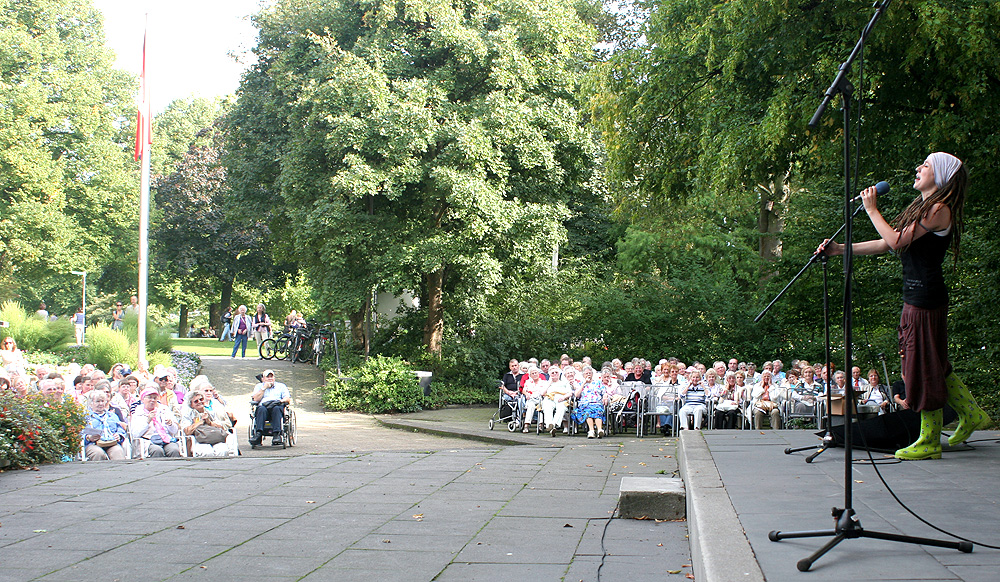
(426, 145)
(68, 191)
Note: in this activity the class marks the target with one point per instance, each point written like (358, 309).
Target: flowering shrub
(187, 364)
(37, 429)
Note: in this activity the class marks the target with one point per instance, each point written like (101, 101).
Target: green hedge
(383, 385)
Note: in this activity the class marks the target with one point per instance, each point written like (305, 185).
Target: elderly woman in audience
(533, 390)
(195, 415)
(126, 396)
(612, 388)
(726, 408)
(10, 355)
(667, 399)
(875, 393)
(590, 404)
(765, 400)
(695, 401)
(803, 395)
(104, 432)
(156, 423)
(556, 400)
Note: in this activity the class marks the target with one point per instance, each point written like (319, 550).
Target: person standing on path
(117, 316)
(79, 323)
(261, 326)
(227, 320)
(242, 324)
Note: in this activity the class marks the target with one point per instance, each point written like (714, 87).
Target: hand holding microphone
(867, 196)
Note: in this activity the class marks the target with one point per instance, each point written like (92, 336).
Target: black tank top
(923, 278)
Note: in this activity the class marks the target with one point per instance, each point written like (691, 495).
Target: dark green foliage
(378, 386)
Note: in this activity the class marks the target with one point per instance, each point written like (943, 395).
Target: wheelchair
(288, 426)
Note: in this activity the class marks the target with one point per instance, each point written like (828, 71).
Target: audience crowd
(130, 413)
(677, 395)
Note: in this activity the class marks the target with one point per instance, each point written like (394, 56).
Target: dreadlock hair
(952, 195)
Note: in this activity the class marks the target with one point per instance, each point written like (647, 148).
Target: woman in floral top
(590, 403)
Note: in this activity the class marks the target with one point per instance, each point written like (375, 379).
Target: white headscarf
(944, 166)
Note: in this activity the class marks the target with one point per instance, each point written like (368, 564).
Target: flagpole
(144, 124)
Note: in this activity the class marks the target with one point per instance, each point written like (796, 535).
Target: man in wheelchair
(271, 398)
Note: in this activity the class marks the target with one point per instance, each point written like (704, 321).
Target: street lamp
(84, 274)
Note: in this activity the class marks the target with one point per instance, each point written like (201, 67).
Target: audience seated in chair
(206, 443)
(104, 432)
(765, 400)
(156, 425)
(695, 402)
(590, 404)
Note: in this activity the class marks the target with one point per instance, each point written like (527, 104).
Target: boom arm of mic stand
(845, 67)
(808, 264)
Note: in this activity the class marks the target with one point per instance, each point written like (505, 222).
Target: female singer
(922, 234)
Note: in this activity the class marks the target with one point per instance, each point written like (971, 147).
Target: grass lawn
(210, 346)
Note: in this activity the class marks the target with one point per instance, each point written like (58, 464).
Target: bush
(157, 337)
(106, 346)
(32, 333)
(446, 393)
(377, 386)
(35, 429)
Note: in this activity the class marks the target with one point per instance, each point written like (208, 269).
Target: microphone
(880, 188)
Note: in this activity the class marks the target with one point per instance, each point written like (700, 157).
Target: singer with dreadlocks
(921, 235)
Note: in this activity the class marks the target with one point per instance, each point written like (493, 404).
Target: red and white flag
(143, 122)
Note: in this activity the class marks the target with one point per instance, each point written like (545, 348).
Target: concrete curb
(720, 550)
(447, 431)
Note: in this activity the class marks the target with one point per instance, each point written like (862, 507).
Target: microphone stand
(828, 440)
(846, 523)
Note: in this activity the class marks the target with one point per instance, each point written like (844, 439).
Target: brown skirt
(923, 347)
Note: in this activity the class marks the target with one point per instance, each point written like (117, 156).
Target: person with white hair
(534, 390)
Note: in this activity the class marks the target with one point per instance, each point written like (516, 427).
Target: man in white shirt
(271, 398)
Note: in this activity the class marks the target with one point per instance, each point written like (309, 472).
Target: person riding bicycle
(271, 397)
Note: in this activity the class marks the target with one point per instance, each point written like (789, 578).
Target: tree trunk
(182, 325)
(771, 221)
(434, 327)
(224, 301)
(215, 318)
(359, 329)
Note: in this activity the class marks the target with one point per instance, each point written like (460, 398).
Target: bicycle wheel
(317, 351)
(281, 348)
(268, 348)
(304, 353)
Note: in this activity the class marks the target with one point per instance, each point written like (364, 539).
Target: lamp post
(84, 274)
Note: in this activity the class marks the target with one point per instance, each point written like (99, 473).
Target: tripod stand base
(828, 442)
(849, 527)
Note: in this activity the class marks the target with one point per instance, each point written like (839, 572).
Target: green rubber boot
(928, 446)
(970, 417)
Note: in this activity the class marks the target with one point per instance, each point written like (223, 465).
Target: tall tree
(428, 145)
(68, 190)
(203, 236)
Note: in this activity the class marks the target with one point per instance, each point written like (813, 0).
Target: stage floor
(771, 490)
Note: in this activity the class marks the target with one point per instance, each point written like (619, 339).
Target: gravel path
(319, 432)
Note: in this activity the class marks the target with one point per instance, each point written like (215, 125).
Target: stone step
(651, 498)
